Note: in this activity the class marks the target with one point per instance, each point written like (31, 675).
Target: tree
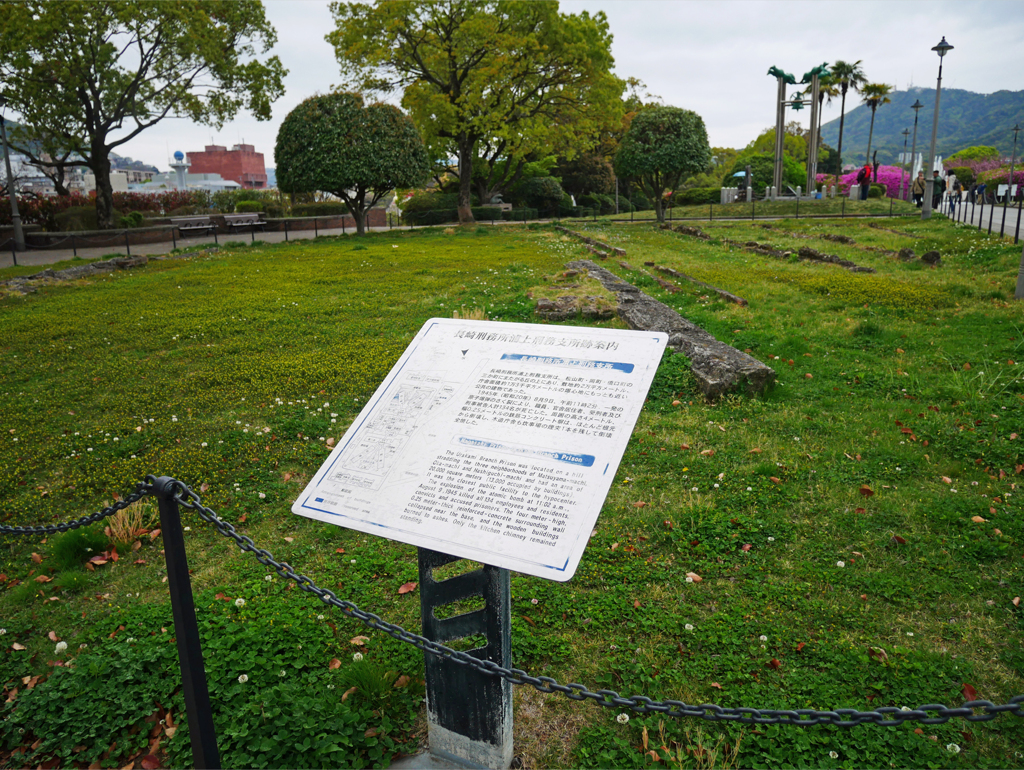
(762, 169)
(86, 77)
(496, 79)
(334, 144)
(589, 173)
(874, 95)
(663, 146)
(846, 75)
(793, 142)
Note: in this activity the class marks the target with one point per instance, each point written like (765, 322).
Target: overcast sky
(710, 57)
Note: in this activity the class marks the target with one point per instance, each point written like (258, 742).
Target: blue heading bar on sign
(574, 363)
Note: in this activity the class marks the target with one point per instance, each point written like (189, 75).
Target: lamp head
(798, 101)
(943, 47)
(905, 132)
(1015, 129)
(916, 105)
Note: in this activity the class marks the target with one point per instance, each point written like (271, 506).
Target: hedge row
(480, 213)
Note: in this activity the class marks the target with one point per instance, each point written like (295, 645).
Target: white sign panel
(491, 441)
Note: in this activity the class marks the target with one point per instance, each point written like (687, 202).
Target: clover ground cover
(231, 371)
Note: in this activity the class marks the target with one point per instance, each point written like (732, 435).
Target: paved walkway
(49, 256)
(976, 215)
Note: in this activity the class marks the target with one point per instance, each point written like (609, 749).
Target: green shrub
(430, 217)
(640, 202)
(430, 201)
(518, 215)
(697, 196)
(75, 547)
(543, 193)
(877, 191)
(80, 218)
(249, 207)
(133, 219)
(330, 209)
(964, 174)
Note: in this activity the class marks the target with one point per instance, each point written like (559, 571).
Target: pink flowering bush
(887, 175)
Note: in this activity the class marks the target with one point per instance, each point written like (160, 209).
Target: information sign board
(491, 441)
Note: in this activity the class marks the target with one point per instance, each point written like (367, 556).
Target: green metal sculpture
(821, 71)
(786, 77)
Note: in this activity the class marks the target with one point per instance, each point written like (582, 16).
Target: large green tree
(358, 153)
(88, 76)
(845, 75)
(662, 147)
(498, 79)
(874, 95)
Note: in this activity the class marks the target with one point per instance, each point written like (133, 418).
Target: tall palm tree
(874, 95)
(846, 75)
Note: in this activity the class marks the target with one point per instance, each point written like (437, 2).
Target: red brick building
(240, 164)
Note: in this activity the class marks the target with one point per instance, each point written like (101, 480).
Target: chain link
(890, 716)
(142, 489)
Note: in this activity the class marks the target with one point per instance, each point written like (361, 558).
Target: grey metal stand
(470, 713)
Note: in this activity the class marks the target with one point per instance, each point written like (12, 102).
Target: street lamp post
(1009, 186)
(19, 236)
(916, 107)
(904, 191)
(929, 184)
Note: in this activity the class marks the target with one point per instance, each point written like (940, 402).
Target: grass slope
(231, 371)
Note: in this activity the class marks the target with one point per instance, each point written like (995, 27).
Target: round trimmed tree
(662, 147)
(334, 144)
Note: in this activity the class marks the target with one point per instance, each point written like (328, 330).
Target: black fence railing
(172, 495)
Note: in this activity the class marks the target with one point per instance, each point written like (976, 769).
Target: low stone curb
(728, 296)
(600, 248)
(717, 367)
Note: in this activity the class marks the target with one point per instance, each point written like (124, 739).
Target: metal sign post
(495, 442)
(470, 712)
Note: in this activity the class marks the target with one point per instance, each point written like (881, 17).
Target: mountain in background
(966, 119)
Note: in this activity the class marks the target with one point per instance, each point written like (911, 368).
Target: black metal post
(252, 233)
(842, 207)
(316, 233)
(74, 248)
(286, 231)
(14, 251)
(711, 212)
(991, 212)
(753, 204)
(127, 247)
(1016, 234)
(186, 631)
(174, 238)
(798, 207)
(343, 224)
(215, 243)
(890, 206)
(469, 713)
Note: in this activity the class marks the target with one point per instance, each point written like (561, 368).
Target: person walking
(938, 188)
(864, 180)
(917, 190)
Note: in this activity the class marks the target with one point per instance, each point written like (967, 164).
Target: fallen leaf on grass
(53, 637)
(330, 442)
(402, 681)
(335, 663)
(44, 579)
(708, 452)
(878, 654)
(339, 550)
(289, 539)
(801, 646)
(694, 577)
(149, 762)
(406, 588)
(866, 491)
(17, 646)
(775, 479)
(774, 663)
(969, 692)
(975, 519)
(359, 641)
(745, 547)
(348, 692)
(37, 558)
(1016, 601)
(755, 451)
(860, 510)
(716, 685)
(684, 446)
(639, 504)
(371, 733)
(947, 479)
(898, 540)
(529, 620)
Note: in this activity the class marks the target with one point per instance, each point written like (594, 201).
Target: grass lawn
(858, 530)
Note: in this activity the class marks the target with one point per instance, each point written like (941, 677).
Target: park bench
(193, 224)
(249, 221)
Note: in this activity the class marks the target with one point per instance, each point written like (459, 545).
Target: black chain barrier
(888, 716)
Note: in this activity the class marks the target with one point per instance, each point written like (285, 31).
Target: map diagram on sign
(366, 462)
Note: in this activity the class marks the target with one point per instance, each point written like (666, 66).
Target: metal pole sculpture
(929, 184)
(814, 78)
(780, 122)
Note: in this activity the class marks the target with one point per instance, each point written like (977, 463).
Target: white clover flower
(622, 719)
(716, 486)
(243, 678)
(693, 489)
(130, 639)
(750, 489)
(3, 631)
(239, 602)
(357, 657)
(905, 708)
(833, 755)
(689, 580)
(203, 444)
(319, 617)
(910, 633)
(353, 561)
(174, 418)
(688, 627)
(330, 687)
(263, 496)
(61, 646)
(840, 563)
(83, 646)
(762, 638)
(268, 578)
(953, 747)
(282, 672)
(188, 529)
(771, 540)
